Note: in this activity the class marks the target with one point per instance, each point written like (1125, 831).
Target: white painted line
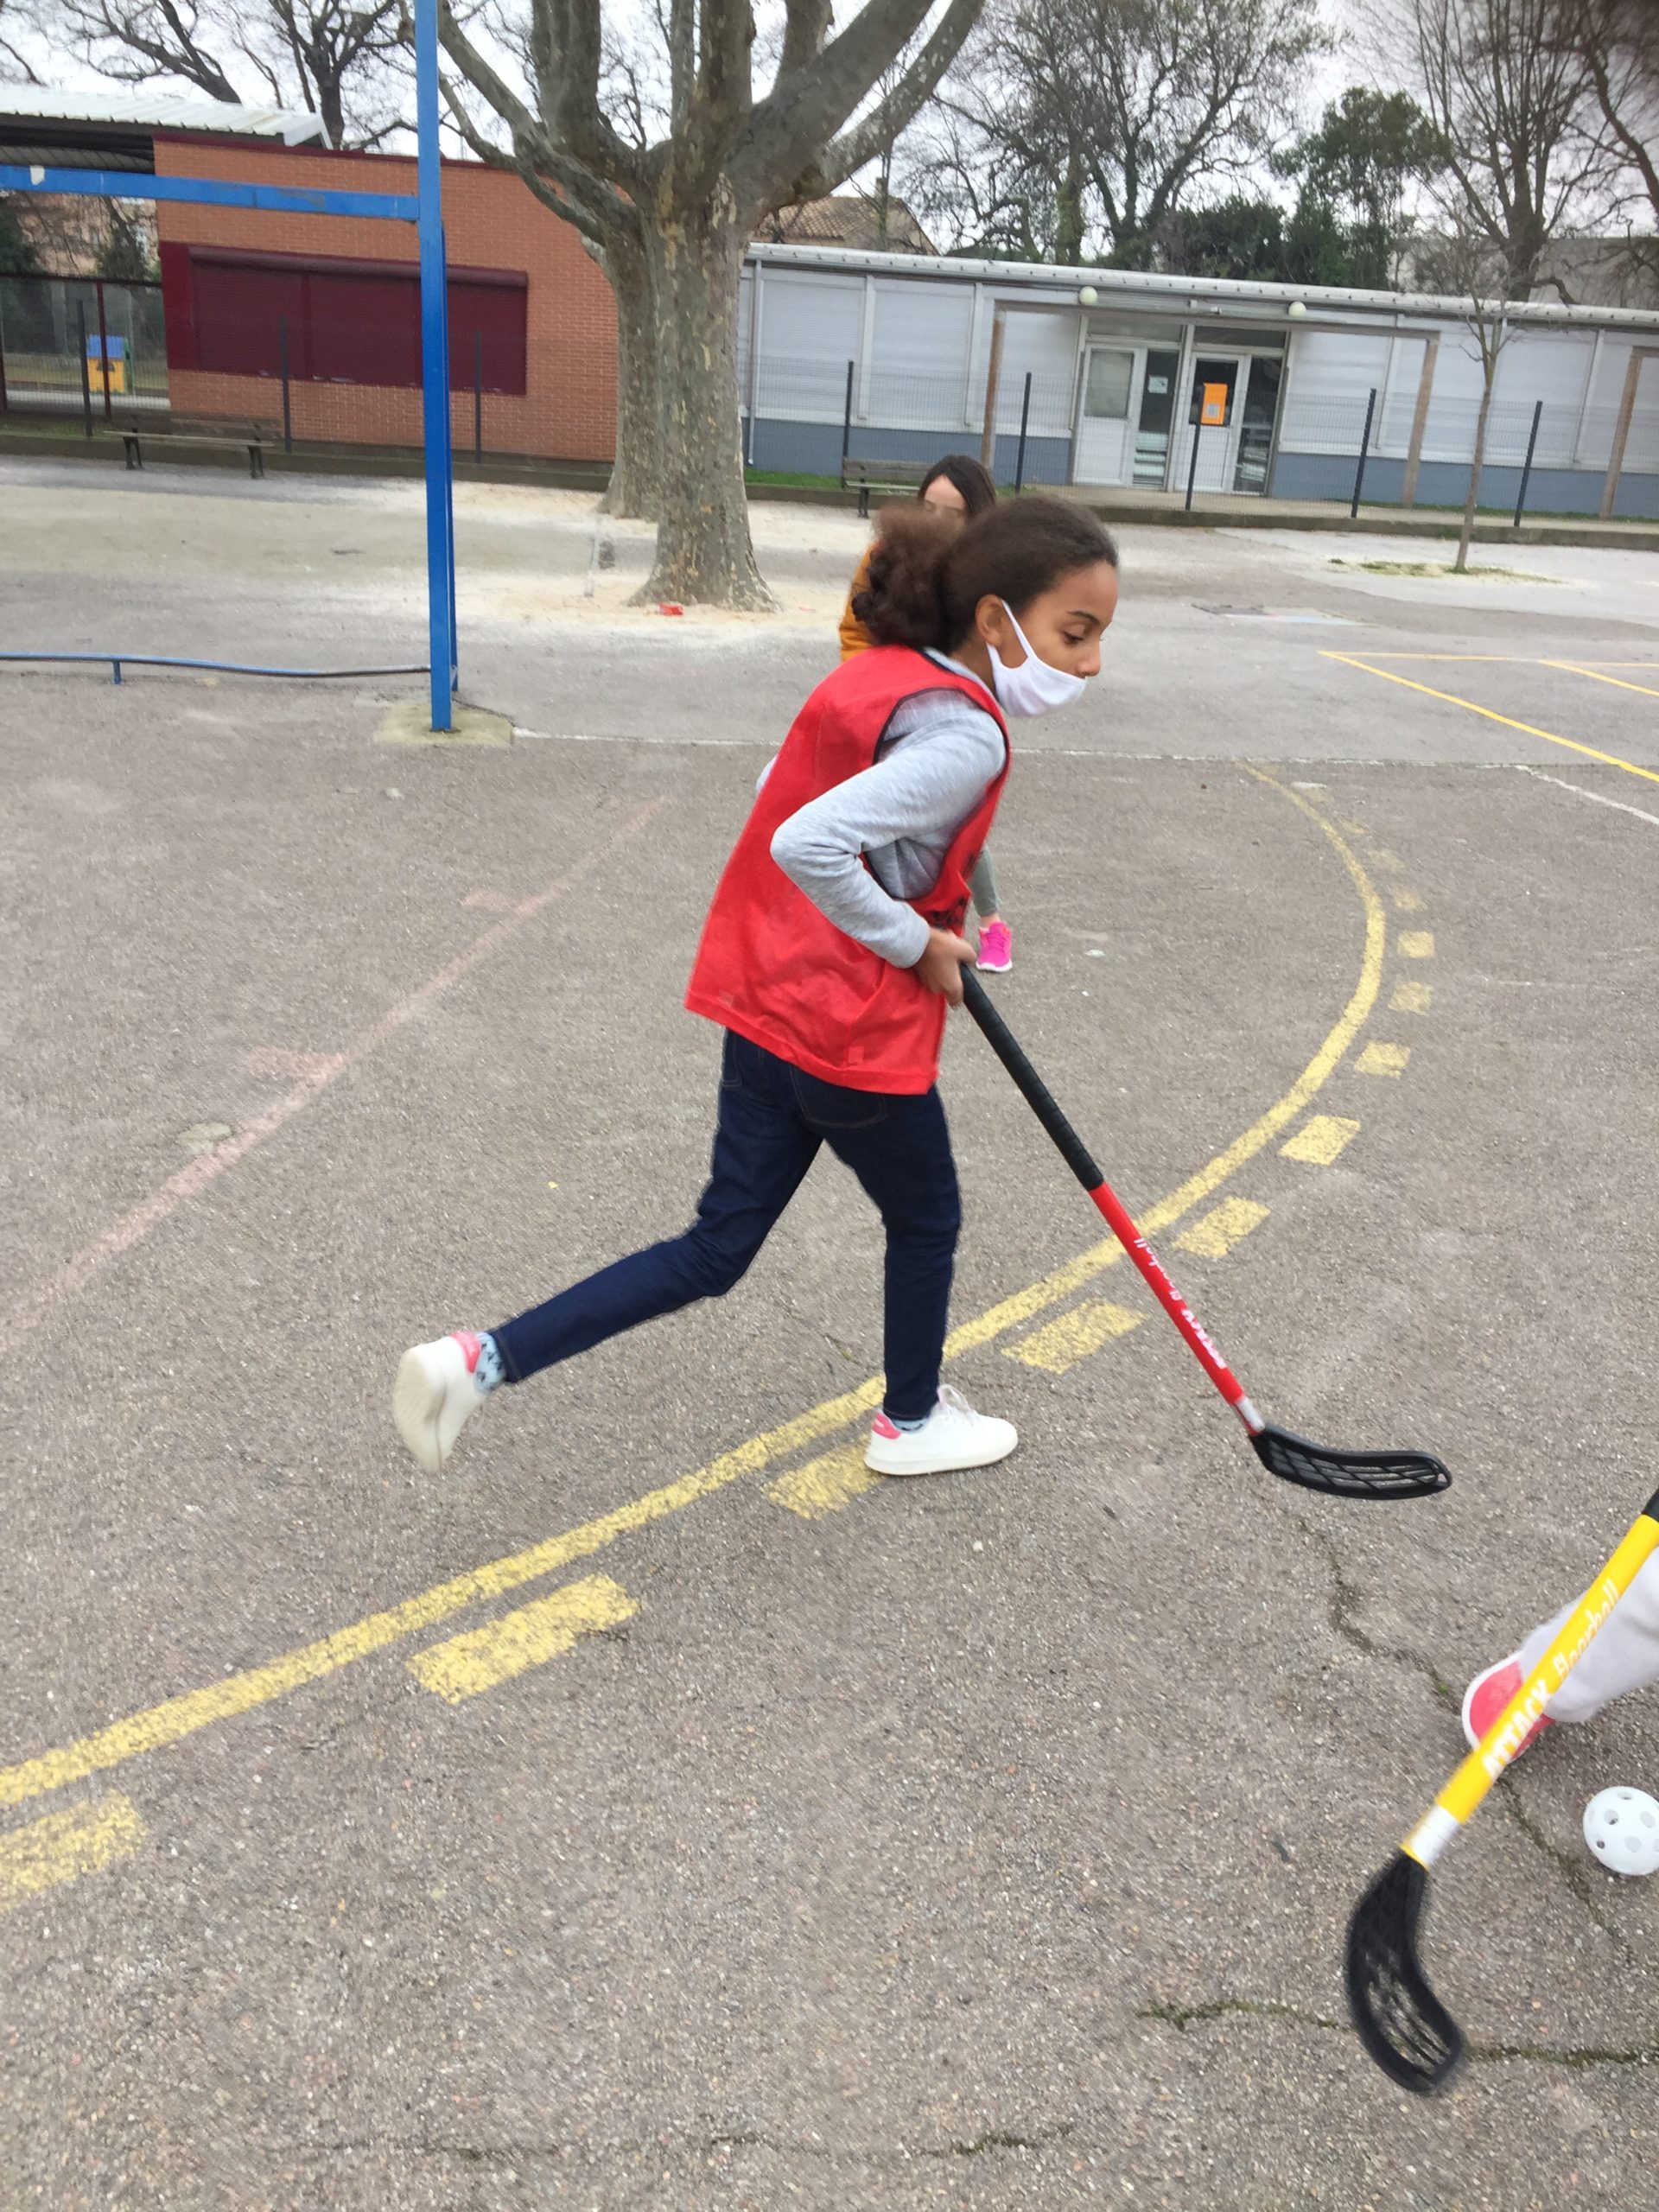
(1621, 806)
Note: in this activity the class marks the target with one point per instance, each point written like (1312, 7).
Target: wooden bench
(867, 476)
(206, 430)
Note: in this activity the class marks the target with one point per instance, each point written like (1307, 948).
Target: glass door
(1104, 454)
(1256, 414)
(1212, 417)
(1157, 419)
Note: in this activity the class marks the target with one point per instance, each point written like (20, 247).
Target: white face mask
(1035, 687)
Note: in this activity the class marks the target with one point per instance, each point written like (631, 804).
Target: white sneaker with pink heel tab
(952, 1438)
(435, 1395)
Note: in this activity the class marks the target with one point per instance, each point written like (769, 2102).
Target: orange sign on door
(1214, 409)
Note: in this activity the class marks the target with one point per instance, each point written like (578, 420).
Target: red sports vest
(777, 971)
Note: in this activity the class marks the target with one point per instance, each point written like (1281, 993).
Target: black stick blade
(1349, 1474)
(1401, 2021)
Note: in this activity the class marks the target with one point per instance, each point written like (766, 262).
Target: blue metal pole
(209, 192)
(435, 374)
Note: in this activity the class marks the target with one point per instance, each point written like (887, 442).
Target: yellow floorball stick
(1401, 2022)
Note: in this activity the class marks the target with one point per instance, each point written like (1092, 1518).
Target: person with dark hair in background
(830, 954)
(958, 488)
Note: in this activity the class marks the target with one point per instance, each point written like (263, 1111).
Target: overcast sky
(1324, 80)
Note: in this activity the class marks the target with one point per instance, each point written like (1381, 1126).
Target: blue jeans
(773, 1119)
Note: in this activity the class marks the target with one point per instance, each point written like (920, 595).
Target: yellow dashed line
(1355, 828)
(1074, 1335)
(824, 1485)
(65, 1846)
(1383, 1059)
(1383, 859)
(1416, 945)
(485, 1657)
(1412, 998)
(1215, 1235)
(1406, 902)
(1321, 1139)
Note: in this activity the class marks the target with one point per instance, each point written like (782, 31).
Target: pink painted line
(317, 1071)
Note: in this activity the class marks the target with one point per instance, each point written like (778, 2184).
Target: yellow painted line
(1383, 859)
(1321, 1138)
(1062, 1343)
(1573, 668)
(1412, 998)
(1530, 730)
(1225, 1164)
(1383, 1059)
(1406, 902)
(1355, 828)
(1417, 944)
(824, 1485)
(179, 1717)
(1215, 1233)
(62, 1846)
(486, 1658)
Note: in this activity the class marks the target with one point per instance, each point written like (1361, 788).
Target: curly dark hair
(927, 574)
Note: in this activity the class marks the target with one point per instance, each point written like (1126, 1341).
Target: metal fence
(96, 351)
(1222, 450)
(81, 346)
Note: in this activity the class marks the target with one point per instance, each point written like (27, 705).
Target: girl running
(829, 956)
(958, 488)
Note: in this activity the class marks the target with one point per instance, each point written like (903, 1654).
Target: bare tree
(976, 198)
(316, 56)
(667, 188)
(1617, 43)
(1121, 107)
(1511, 100)
(1464, 261)
(14, 64)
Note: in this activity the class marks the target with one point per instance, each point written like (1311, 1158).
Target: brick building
(530, 314)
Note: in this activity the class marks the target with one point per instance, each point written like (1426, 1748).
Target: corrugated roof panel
(149, 107)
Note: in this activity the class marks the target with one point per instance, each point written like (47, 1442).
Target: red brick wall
(567, 412)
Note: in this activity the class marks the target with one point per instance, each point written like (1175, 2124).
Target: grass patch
(791, 478)
(1483, 574)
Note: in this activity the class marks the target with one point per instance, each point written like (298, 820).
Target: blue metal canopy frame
(425, 212)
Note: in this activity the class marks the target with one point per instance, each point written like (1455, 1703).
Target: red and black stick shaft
(1077, 1157)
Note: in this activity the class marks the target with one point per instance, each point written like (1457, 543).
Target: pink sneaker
(1486, 1697)
(996, 949)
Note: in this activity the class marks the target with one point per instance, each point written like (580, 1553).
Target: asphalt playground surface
(652, 1811)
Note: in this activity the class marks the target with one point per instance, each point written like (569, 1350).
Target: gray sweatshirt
(938, 756)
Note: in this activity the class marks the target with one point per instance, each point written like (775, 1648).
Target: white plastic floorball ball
(1622, 1829)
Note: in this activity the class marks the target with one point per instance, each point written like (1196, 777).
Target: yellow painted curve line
(179, 1717)
(1508, 721)
(1573, 668)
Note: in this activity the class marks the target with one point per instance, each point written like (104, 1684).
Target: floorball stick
(1292, 1458)
(1401, 2021)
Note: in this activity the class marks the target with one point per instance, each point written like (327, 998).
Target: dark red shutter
(346, 323)
(495, 313)
(239, 313)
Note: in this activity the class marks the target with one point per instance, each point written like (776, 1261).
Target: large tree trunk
(1068, 216)
(1478, 461)
(636, 484)
(703, 549)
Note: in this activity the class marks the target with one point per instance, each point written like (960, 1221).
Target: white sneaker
(435, 1395)
(951, 1438)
